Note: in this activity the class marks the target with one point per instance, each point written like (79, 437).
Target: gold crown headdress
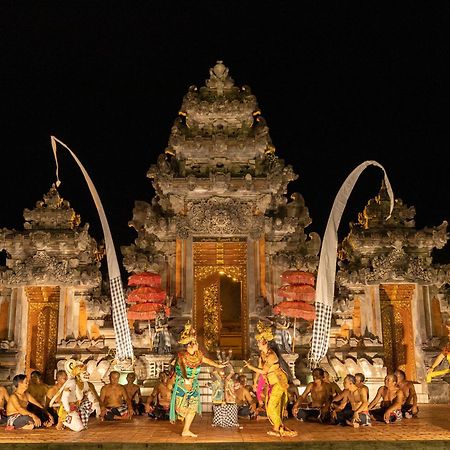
(188, 334)
(74, 367)
(264, 332)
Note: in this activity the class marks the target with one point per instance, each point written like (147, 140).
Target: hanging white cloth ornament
(326, 274)
(124, 348)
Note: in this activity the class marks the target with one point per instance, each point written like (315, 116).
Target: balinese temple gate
(222, 244)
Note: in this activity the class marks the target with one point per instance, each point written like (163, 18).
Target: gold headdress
(188, 334)
(73, 368)
(264, 332)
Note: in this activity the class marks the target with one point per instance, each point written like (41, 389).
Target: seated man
(23, 410)
(158, 402)
(335, 389)
(319, 406)
(409, 406)
(360, 379)
(246, 403)
(391, 397)
(4, 397)
(134, 393)
(61, 378)
(351, 406)
(114, 401)
(37, 388)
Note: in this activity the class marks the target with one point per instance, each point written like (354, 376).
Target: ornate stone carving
(219, 216)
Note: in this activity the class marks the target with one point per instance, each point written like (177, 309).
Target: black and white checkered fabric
(321, 333)
(225, 415)
(124, 348)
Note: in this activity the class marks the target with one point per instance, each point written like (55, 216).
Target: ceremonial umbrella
(145, 279)
(146, 311)
(299, 293)
(147, 294)
(298, 277)
(303, 292)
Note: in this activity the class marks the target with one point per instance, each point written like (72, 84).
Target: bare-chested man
(114, 401)
(335, 389)
(246, 403)
(360, 379)
(351, 406)
(391, 397)
(61, 378)
(320, 393)
(409, 406)
(19, 405)
(4, 397)
(134, 393)
(37, 388)
(158, 402)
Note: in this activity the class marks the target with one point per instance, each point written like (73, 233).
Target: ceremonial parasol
(146, 311)
(147, 294)
(299, 294)
(145, 279)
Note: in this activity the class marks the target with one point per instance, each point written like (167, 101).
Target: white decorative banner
(326, 274)
(124, 348)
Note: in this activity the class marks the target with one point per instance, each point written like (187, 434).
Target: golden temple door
(397, 328)
(220, 290)
(43, 310)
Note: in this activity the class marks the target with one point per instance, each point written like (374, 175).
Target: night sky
(338, 83)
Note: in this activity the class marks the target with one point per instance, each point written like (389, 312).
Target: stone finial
(219, 80)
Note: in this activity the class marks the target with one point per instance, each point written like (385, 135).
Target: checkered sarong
(321, 333)
(124, 348)
(225, 415)
(85, 410)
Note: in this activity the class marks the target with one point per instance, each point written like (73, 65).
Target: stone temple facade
(220, 230)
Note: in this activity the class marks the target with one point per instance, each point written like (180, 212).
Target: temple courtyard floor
(431, 430)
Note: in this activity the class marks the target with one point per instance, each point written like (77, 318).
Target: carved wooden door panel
(42, 330)
(397, 327)
(220, 309)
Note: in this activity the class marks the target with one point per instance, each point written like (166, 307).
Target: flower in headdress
(264, 332)
(188, 335)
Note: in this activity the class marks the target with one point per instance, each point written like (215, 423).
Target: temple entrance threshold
(220, 289)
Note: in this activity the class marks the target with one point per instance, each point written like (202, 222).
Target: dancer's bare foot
(273, 433)
(188, 434)
(287, 432)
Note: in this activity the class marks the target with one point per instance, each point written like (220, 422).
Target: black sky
(338, 83)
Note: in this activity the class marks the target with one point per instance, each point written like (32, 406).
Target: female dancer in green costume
(185, 401)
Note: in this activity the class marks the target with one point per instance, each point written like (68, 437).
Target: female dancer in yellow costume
(445, 353)
(276, 373)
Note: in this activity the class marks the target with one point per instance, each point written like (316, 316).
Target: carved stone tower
(46, 288)
(220, 229)
(390, 303)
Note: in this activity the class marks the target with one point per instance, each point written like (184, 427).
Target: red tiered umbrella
(299, 293)
(145, 279)
(146, 311)
(147, 294)
(298, 277)
(303, 292)
(296, 309)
